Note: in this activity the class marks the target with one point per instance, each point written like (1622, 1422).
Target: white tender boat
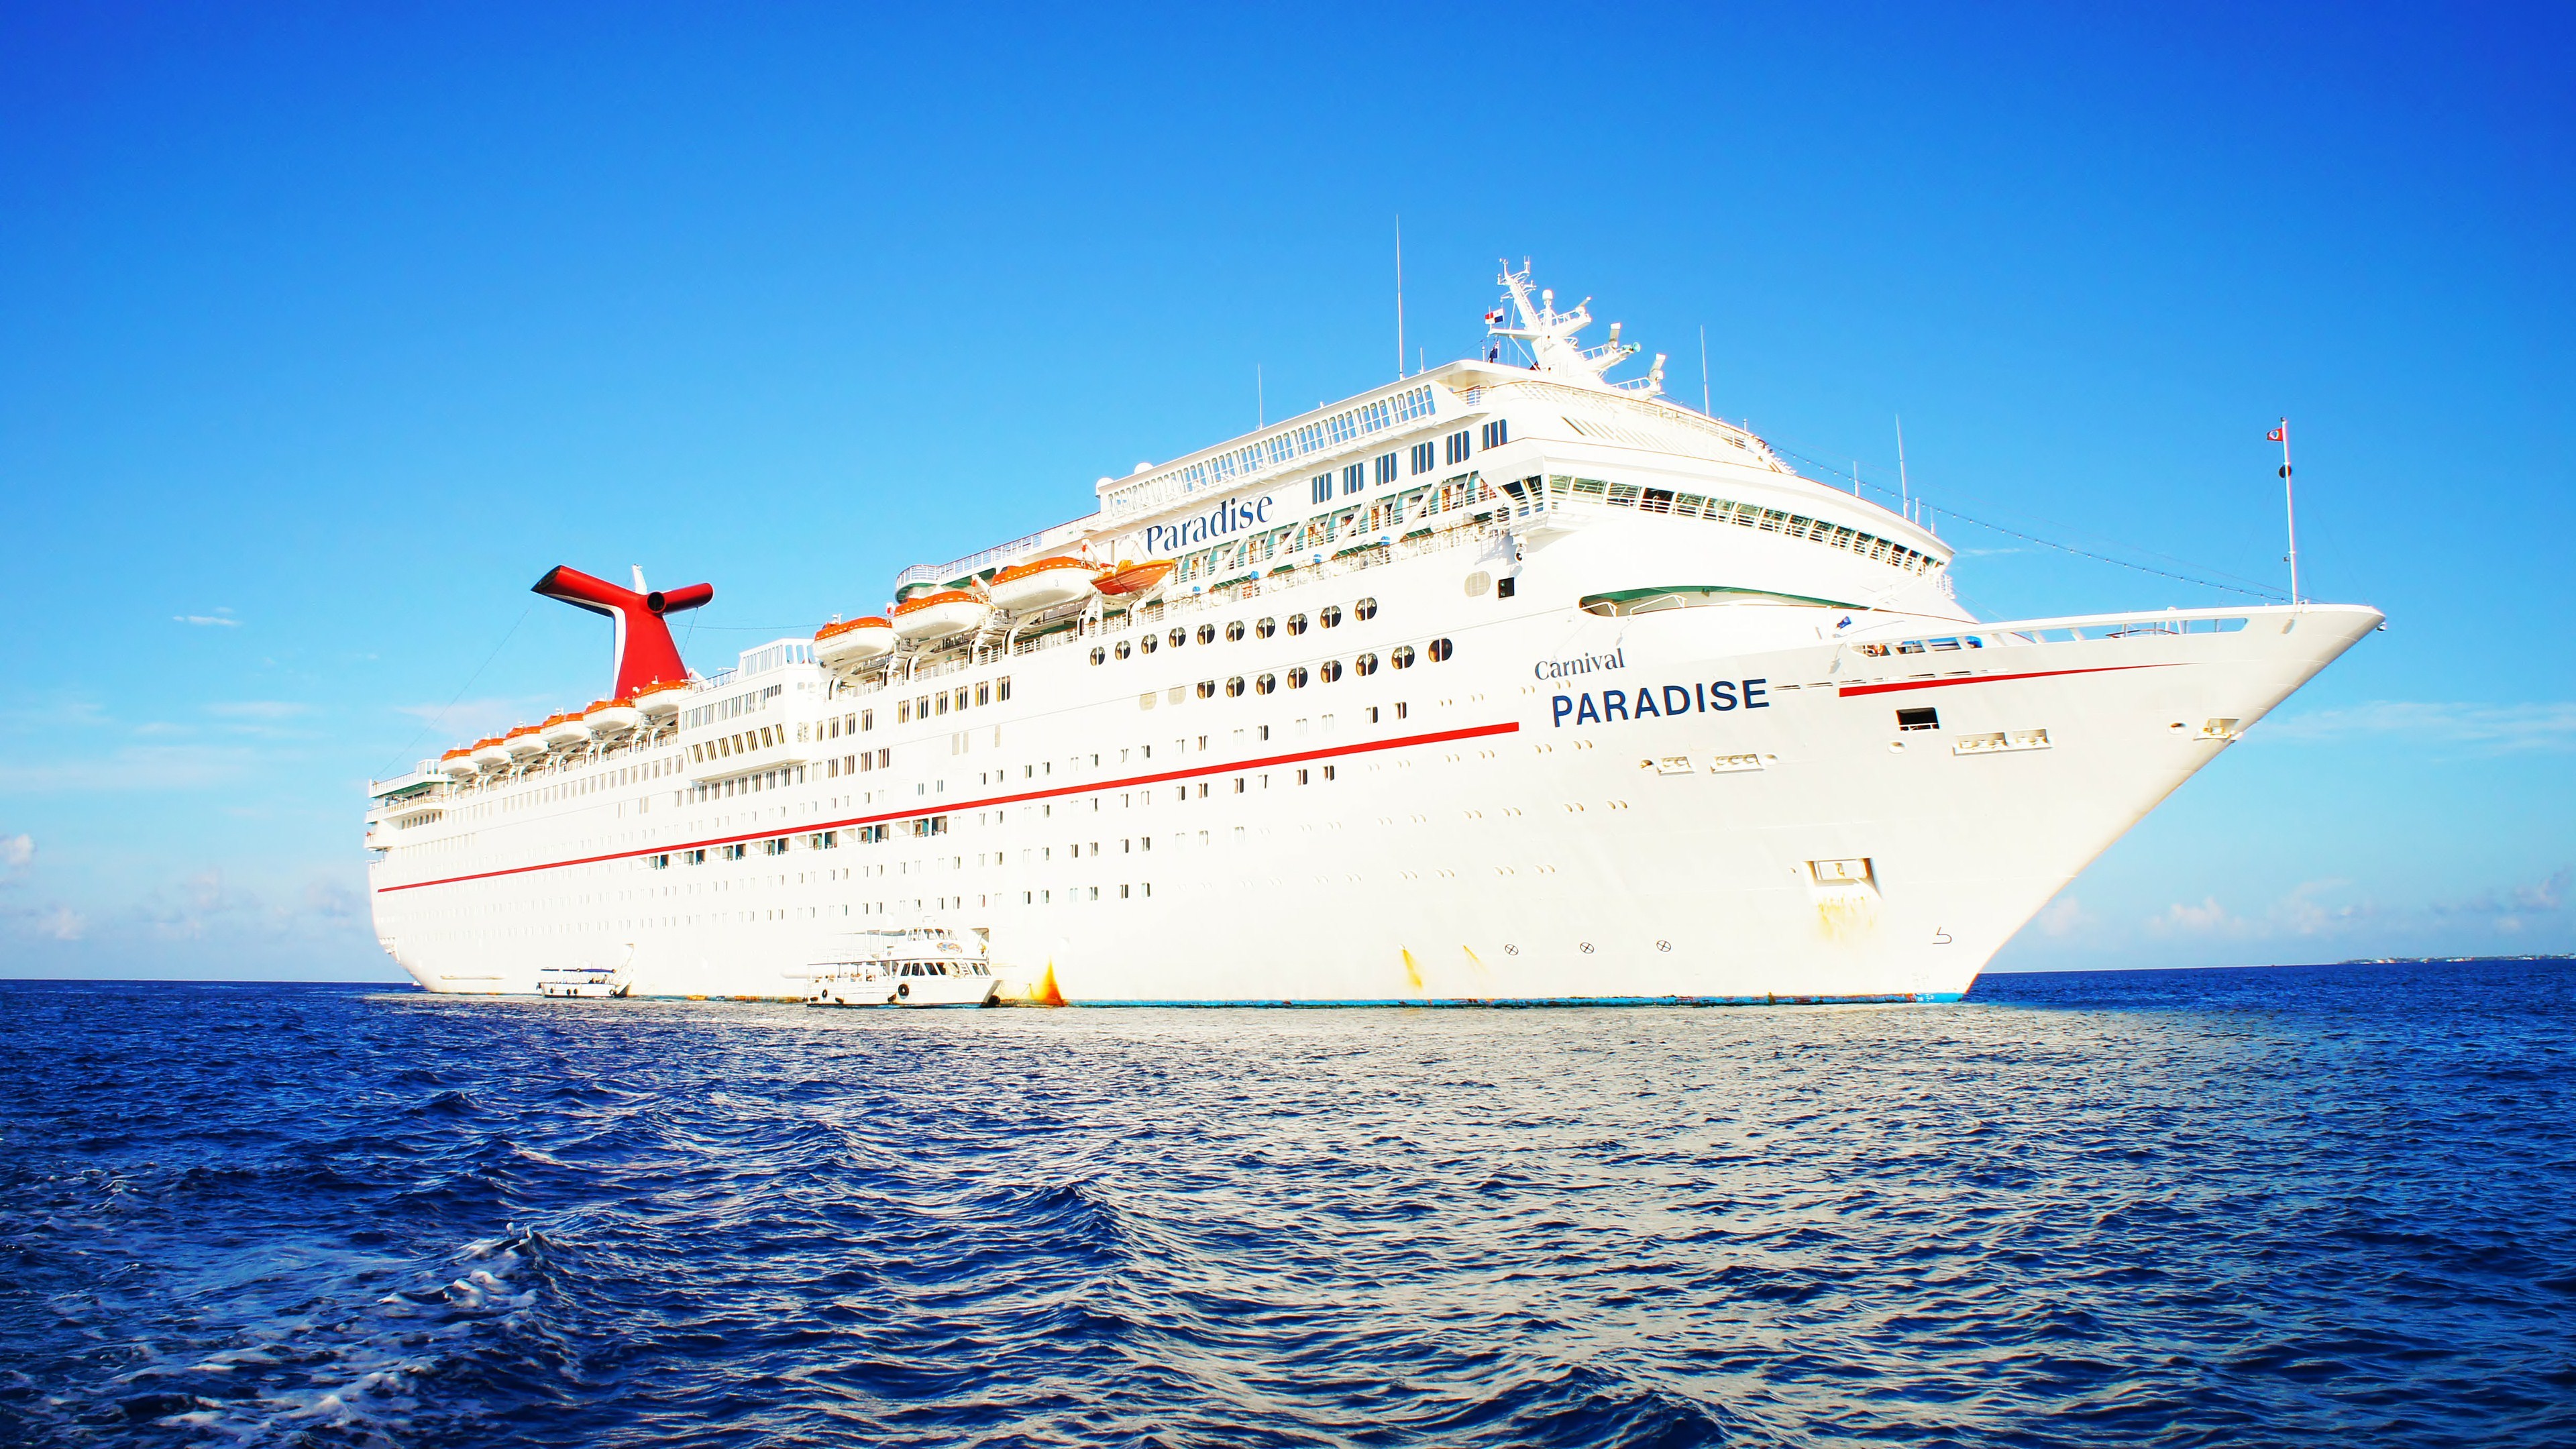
(853, 642)
(923, 966)
(1043, 584)
(936, 616)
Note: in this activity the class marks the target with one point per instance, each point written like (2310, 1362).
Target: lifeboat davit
(491, 754)
(612, 716)
(1040, 584)
(936, 616)
(1135, 580)
(460, 762)
(522, 743)
(560, 730)
(662, 697)
(853, 641)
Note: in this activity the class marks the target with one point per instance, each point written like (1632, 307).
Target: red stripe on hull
(1096, 787)
(1850, 691)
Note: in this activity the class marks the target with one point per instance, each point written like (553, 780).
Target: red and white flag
(2277, 434)
(1494, 316)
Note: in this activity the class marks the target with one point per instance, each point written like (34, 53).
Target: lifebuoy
(904, 990)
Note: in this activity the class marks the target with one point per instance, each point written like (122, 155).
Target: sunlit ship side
(1500, 683)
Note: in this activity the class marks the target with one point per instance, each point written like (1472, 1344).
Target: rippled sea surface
(2298, 1205)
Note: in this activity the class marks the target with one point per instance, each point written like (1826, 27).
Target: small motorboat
(923, 966)
(612, 717)
(662, 697)
(1134, 580)
(572, 983)
(460, 763)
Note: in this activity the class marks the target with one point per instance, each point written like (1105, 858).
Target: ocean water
(2331, 1205)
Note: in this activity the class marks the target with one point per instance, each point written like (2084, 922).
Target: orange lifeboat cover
(924, 601)
(1021, 571)
(1135, 577)
(845, 626)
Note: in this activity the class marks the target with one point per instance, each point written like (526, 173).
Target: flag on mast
(2278, 435)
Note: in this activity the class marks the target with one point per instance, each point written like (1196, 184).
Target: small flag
(2275, 435)
(1494, 316)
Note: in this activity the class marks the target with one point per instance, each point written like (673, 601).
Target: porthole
(1296, 623)
(1099, 655)
(1207, 633)
(1329, 616)
(1478, 582)
(1207, 689)
(1149, 643)
(1266, 627)
(1329, 670)
(1402, 657)
(1365, 665)
(1234, 631)
(1364, 610)
(1123, 648)
(1297, 678)
(1438, 649)
(1265, 684)
(1234, 687)
(1179, 637)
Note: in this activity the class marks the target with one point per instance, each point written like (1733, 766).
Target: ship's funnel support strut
(645, 653)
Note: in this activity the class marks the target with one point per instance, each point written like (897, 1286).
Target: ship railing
(1914, 636)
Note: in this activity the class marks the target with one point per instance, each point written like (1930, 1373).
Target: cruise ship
(1502, 683)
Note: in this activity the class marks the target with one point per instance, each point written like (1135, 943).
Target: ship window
(1458, 446)
(1297, 678)
(1402, 657)
(1329, 670)
(1364, 609)
(1324, 488)
(1234, 631)
(1234, 687)
(1924, 718)
(1385, 469)
(1207, 633)
(1497, 433)
(903, 711)
(1438, 649)
(1426, 456)
(984, 692)
(1265, 684)
(1207, 689)
(1330, 616)
(867, 719)
(1179, 637)
(1296, 624)
(1150, 643)
(1123, 648)
(1355, 476)
(1366, 665)
(1266, 627)
(1002, 690)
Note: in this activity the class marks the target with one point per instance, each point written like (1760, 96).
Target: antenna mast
(2290, 504)
(1703, 372)
(1399, 294)
(1904, 488)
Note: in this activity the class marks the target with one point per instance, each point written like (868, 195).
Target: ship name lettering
(1231, 516)
(1561, 668)
(1653, 702)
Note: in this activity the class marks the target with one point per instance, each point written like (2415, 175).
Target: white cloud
(2065, 917)
(220, 618)
(2544, 725)
(2208, 916)
(62, 923)
(16, 850)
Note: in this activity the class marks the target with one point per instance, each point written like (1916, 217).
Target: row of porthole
(1330, 616)
(1328, 672)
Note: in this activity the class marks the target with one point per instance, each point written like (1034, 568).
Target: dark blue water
(2311, 1206)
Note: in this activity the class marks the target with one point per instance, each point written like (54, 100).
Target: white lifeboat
(459, 763)
(1135, 581)
(1040, 584)
(522, 743)
(662, 698)
(561, 730)
(612, 717)
(491, 754)
(936, 616)
(853, 641)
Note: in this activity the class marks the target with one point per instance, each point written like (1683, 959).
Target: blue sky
(325, 330)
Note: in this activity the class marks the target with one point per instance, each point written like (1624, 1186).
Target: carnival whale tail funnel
(645, 653)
